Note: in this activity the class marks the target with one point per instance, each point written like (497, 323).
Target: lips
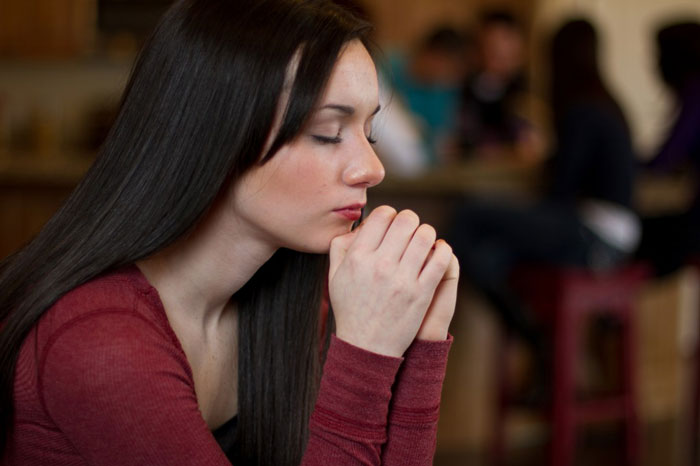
(351, 212)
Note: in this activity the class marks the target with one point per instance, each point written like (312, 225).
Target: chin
(312, 236)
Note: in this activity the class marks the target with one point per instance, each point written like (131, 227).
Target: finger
(399, 235)
(339, 248)
(437, 320)
(372, 230)
(452, 272)
(436, 265)
(419, 248)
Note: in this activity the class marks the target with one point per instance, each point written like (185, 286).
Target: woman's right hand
(382, 279)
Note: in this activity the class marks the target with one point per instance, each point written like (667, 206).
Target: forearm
(415, 405)
(349, 423)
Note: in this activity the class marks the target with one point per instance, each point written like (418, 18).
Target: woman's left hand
(437, 320)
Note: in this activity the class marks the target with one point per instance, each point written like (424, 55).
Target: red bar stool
(563, 298)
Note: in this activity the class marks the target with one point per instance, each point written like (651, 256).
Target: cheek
(307, 178)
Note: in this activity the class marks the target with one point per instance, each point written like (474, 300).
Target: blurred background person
(586, 217)
(670, 240)
(421, 95)
(491, 118)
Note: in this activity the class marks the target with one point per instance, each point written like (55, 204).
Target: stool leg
(694, 459)
(502, 392)
(694, 407)
(563, 423)
(629, 389)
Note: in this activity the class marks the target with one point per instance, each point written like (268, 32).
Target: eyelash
(327, 140)
(338, 139)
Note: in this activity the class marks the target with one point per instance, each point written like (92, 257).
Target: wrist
(380, 348)
(431, 333)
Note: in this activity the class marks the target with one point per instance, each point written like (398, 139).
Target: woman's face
(313, 188)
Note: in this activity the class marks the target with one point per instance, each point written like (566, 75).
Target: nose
(365, 169)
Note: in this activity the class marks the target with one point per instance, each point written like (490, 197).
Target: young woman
(168, 314)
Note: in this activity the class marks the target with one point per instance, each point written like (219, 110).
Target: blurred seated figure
(491, 115)
(669, 240)
(586, 218)
(420, 98)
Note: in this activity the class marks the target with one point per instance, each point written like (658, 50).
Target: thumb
(339, 247)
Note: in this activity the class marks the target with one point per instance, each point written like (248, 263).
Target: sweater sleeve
(349, 422)
(121, 394)
(415, 406)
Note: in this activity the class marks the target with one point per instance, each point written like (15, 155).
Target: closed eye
(326, 139)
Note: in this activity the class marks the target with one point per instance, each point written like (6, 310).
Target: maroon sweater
(102, 380)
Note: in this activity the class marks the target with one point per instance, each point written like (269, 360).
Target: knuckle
(385, 211)
(442, 247)
(443, 261)
(408, 218)
(442, 257)
(402, 283)
(448, 250)
(383, 267)
(409, 214)
(397, 290)
(426, 234)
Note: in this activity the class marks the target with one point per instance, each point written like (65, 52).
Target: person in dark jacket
(586, 217)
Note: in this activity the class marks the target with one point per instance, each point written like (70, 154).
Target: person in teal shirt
(427, 82)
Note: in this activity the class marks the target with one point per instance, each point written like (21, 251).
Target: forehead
(353, 80)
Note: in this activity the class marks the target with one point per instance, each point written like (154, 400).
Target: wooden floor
(601, 447)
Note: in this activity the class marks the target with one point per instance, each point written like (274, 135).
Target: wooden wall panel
(46, 28)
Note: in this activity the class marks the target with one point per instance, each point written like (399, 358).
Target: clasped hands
(391, 282)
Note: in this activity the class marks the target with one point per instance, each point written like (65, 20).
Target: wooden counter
(505, 178)
(52, 170)
(435, 194)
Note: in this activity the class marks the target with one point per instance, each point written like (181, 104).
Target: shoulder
(113, 325)
(118, 313)
(124, 290)
(105, 363)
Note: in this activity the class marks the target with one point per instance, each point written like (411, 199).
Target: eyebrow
(346, 109)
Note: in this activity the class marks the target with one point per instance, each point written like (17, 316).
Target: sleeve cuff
(356, 386)
(424, 354)
(419, 381)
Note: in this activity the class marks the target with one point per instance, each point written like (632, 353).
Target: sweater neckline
(134, 274)
(136, 277)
